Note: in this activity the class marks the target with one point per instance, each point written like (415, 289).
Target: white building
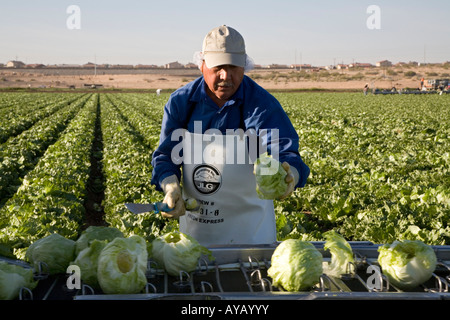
(384, 63)
(15, 64)
(174, 65)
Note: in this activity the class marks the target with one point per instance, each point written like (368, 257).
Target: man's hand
(291, 179)
(172, 190)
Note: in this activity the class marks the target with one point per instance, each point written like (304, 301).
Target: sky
(275, 31)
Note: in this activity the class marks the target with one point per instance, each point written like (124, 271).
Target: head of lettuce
(54, 250)
(176, 252)
(122, 265)
(270, 177)
(408, 263)
(296, 265)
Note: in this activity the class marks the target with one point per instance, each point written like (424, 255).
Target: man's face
(222, 81)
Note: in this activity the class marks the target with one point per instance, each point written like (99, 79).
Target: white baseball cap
(224, 45)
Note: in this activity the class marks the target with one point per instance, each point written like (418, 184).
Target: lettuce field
(379, 165)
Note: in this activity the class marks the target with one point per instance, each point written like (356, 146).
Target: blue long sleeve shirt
(251, 106)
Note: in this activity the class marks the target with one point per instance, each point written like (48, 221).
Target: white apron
(225, 187)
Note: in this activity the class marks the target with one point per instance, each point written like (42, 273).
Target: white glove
(173, 198)
(291, 179)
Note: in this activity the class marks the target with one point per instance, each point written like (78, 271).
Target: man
(221, 101)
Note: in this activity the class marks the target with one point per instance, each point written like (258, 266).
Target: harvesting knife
(137, 208)
(156, 207)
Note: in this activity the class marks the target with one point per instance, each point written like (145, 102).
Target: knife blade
(156, 207)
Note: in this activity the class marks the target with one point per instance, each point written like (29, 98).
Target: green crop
(379, 166)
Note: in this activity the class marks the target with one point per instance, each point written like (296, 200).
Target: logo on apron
(207, 179)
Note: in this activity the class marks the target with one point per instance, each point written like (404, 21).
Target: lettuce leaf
(13, 278)
(96, 233)
(87, 261)
(270, 175)
(341, 253)
(176, 251)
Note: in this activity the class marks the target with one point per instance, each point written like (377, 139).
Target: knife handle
(161, 206)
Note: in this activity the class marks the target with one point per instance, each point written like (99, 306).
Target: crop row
(20, 153)
(144, 117)
(127, 169)
(380, 167)
(20, 114)
(51, 196)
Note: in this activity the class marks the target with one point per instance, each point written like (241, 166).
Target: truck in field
(437, 84)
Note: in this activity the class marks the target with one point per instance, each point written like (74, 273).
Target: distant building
(360, 65)
(191, 65)
(65, 65)
(174, 65)
(277, 66)
(146, 66)
(88, 65)
(35, 66)
(121, 66)
(300, 66)
(15, 64)
(342, 66)
(384, 63)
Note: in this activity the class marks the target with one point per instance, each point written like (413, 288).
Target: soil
(271, 79)
(95, 185)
